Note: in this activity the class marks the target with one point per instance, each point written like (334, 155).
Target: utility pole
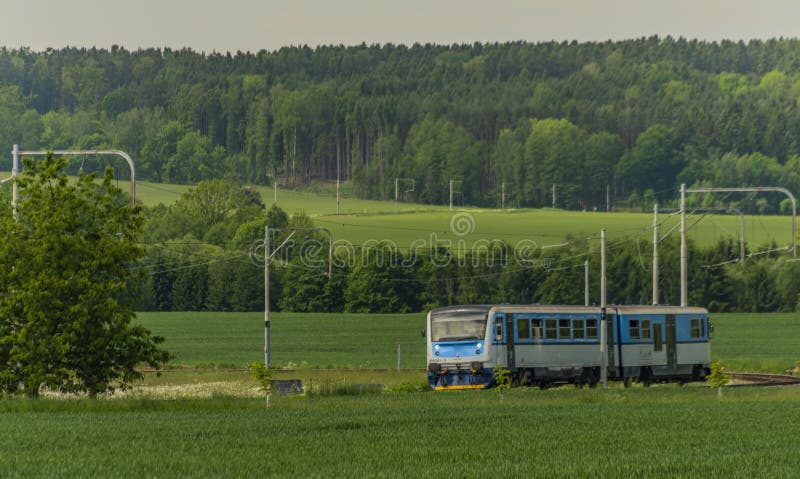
(608, 197)
(337, 184)
(267, 363)
(741, 239)
(554, 195)
(14, 175)
(503, 195)
(655, 254)
(603, 339)
(451, 195)
(396, 192)
(684, 275)
(267, 260)
(586, 283)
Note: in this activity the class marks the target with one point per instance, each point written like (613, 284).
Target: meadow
(745, 342)
(664, 431)
(370, 221)
(202, 419)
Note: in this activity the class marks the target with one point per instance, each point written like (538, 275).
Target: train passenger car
(561, 344)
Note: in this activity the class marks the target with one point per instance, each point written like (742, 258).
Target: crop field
(627, 433)
(211, 421)
(403, 224)
(749, 342)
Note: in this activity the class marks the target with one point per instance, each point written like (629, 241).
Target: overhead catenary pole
(14, 175)
(586, 283)
(503, 195)
(655, 254)
(267, 259)
(684, 274)
(603, 339)
(451, 195)
(741, 239)
(608, 197)
(760, 189)
(554, 195)
(17, 153)
(266, 298)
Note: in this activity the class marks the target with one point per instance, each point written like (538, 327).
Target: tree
(65, 318)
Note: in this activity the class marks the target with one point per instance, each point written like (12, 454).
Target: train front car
(457, 348)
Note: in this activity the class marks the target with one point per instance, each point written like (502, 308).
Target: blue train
(544, 345)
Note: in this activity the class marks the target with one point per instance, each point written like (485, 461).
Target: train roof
(563, 309)
(639, 309)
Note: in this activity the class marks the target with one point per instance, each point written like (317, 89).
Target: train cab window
(550, 330)
(645, 331)
(536, 326)
(591, 329)
(633, 329)
(577, 329)
(523, 328)
(564, 329)
(696, 328)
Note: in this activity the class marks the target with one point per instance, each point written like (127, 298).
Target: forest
(617, 124)
(632, 118)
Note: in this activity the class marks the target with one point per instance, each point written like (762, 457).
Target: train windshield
(458, 327)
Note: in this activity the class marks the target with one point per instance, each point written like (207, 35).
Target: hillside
(504, 122)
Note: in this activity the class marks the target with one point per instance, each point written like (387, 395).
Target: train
(548, 345)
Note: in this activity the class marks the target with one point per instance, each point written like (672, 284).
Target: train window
(564, 329)
(695, 328)
(633, 329)
(550, 331)
(591, 329)
(645, 329)
(577, 329)
(703, 328)
(498, 328)
(537, 329)
(523, 328)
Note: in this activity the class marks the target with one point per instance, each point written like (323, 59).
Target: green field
(623, 433)
(748, 342)
(368, 221)
(211, 421)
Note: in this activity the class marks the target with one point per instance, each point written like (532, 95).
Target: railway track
(762, 379)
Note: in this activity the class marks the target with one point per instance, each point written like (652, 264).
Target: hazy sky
(230, 25)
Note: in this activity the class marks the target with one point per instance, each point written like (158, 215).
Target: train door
(509, 327)
(672, 349)
(659, 354)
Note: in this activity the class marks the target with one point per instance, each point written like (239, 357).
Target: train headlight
(436, 347)
(478, 350)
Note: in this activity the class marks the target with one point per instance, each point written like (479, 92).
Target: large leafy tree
(65, 318)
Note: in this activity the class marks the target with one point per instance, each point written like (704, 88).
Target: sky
(253, 25)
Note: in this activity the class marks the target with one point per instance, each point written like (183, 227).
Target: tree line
(204, 254)
(506, 121)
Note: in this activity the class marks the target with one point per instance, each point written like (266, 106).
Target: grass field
(213, 422)
(623, 433)
(751, 342)
(363, 221)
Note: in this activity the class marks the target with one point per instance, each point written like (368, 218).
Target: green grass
(363, 221)
(299, 340)
(747, 342)
(544, 226)
(757, 342)
(633, 433)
